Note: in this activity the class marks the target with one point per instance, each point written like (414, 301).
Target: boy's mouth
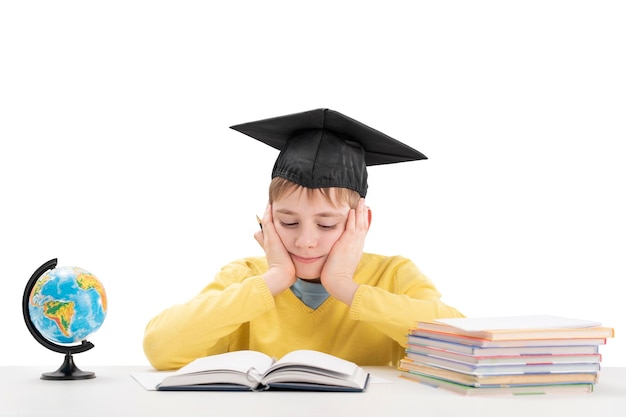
(306, 260)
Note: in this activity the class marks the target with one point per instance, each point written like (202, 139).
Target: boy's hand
(281, 273)
(337, 275)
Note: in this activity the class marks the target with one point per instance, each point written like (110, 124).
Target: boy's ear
(369, 217)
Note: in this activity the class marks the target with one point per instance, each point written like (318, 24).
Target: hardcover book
(407, 365)
(255, 371)
(483, 347)
(518, 328)
(499, 390)
(504, 368)
(423, 353)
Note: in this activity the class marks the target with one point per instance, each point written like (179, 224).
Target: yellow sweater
(237, 311)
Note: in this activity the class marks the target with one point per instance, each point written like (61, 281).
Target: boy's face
(308, 226)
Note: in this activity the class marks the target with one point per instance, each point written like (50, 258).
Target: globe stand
(68, 370)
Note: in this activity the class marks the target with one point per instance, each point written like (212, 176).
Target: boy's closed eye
(296, 224)
(289, 224)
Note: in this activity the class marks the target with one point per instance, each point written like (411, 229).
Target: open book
(256, 371)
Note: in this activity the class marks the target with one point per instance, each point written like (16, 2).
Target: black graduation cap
(324, 148)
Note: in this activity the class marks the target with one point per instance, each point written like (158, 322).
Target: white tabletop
(115, 393)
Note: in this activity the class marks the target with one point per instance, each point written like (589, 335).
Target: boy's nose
(306, 239)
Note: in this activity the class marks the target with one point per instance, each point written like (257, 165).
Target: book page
(517, 323)
(314, 359)
(240, 361)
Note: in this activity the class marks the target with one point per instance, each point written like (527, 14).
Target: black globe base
(68, 371)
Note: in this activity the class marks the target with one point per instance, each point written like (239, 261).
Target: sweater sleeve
(396, 298)
(206, 324)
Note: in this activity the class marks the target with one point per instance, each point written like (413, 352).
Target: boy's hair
(280, 187)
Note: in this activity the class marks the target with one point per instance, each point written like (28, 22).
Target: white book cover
(517, 322)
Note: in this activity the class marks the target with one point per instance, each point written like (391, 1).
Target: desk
(115, 393)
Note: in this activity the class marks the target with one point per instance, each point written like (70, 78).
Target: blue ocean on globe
(67, 304)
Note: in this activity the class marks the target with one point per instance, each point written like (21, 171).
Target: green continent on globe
(61, 313)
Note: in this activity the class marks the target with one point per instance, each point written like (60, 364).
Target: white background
(116, 155)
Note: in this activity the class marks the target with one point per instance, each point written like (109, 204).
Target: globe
(67, 304)
(62, 307)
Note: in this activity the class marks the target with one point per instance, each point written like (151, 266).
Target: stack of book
(506, 355)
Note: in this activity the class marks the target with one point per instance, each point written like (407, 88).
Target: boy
(315, 288)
